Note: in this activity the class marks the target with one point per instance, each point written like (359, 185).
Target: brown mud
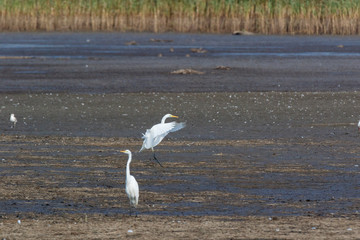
(73, 187)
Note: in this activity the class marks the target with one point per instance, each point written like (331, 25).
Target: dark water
(300, 93)
(104, 63)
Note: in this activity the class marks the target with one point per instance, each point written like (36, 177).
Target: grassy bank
(216, 16)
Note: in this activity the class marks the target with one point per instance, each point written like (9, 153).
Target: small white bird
(156, 134)
(131, 185)
(13, 120)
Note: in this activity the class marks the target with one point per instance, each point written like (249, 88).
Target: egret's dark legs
(131, 212)
(154, 157)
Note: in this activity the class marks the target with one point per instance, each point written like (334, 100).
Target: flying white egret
(13, 120)
(156, 134)
(131, 185)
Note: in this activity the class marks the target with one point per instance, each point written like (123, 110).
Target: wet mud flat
(73, 187)
(248, 165)
(270, 149)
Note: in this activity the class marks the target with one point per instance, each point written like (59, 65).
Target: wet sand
(269, 151)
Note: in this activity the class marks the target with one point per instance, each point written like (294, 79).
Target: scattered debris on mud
(187, 71)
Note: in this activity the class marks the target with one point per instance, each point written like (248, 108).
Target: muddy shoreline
(270, 149)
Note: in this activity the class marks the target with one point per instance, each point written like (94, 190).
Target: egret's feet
(130, 213)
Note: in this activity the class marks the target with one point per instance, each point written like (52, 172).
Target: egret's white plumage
(156, 134)
(131, 185)
(359, 126)
(13, 119)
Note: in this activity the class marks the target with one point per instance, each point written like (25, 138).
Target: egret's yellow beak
(174, 116)
(122, 151)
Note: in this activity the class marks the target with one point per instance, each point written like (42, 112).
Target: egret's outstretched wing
(165, 128)
(157, 133)
(178, 126)
(162, 130)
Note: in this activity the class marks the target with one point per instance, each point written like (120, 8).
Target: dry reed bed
(215, 16)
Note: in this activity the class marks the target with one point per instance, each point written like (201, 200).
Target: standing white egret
(13, 120)
(359, 126)
(131, 185)
(156, 134)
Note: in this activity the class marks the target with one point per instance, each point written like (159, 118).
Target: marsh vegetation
(210, 16)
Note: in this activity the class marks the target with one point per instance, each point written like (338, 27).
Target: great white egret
(13, 120)
(131, 185)
(359, 126)
(156, 134)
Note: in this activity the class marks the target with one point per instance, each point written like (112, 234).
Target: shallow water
(105, 63)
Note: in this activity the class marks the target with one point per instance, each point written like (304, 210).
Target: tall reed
(215, 16)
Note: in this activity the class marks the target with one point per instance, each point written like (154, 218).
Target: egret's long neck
(163, 119)
(128, 167)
